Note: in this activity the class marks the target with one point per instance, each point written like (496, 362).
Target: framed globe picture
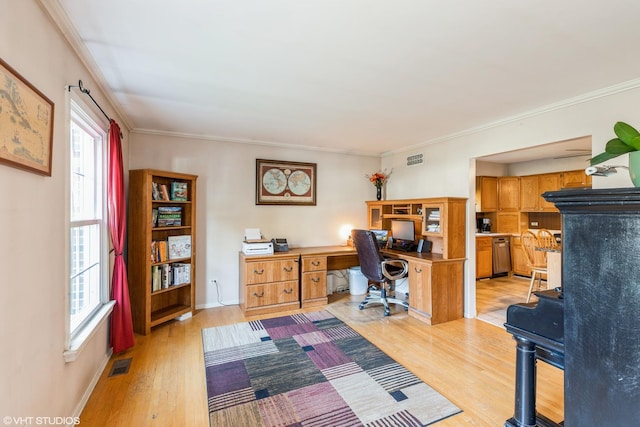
(285, 183)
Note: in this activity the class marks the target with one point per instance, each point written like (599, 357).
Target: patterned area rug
(310, 370)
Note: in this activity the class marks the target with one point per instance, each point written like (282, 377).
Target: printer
(255, 244)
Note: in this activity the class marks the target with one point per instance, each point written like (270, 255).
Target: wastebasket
(358, 284)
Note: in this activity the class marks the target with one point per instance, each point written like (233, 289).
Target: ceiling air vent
(415, 159)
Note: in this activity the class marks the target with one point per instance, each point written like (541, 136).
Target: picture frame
(280, 182)
(26, 124)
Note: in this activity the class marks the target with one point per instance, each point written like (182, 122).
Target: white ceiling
(364, 76)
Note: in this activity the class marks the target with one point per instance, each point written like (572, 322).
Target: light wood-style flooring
(469, 361)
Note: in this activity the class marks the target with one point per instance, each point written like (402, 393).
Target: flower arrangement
(379, 178)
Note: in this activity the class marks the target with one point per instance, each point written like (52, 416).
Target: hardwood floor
(469, 361)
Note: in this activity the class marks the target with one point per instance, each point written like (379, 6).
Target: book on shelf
(179, 246)
(154, 217)
(166, 277)
(159, 251)
(179, 190)
(164, 191)
(169, 216)
(155, 191)
(155, 278)
(181, 273)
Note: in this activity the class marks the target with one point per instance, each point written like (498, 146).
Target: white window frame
(78, 338)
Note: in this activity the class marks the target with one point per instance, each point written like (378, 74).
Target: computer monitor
(403, 230)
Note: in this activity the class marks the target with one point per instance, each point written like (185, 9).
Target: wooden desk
(267, 281)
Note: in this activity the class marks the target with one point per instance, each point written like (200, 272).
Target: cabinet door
(508, 193)
(548, 182)
(508, 222)
(314, 285)
(433, 218)
(575, 179)
(529, 193)
(420, 287)
(519, 263)
(486, 194)
(375, 217)
(484, 257)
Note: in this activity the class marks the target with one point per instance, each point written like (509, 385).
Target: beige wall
(450, 169)
(226, 200)
(35, 380)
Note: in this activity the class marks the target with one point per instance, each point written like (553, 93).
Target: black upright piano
(538, 329)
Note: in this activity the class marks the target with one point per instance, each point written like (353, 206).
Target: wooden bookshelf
(156, 300)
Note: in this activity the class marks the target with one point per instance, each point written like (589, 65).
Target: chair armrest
(398, 263)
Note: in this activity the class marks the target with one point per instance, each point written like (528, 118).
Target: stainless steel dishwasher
(501, 256)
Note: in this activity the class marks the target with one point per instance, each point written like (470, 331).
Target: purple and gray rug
(310, 369)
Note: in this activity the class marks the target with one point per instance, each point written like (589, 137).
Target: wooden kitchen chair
(537, 260)
(546, 239)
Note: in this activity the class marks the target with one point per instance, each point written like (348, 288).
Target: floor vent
(120, 367)
(415, 159)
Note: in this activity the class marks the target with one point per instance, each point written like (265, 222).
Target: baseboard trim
(92, 385)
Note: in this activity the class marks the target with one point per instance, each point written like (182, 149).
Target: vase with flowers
(378, 179)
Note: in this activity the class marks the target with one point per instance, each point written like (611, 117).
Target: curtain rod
(88, 93)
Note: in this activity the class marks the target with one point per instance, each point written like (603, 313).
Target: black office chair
(383, 272)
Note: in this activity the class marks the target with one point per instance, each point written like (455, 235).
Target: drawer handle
(416, 270)
(255, 294)
(258, 272)
(315, 279)
(288, 270)
(315, 263)
(290, 291)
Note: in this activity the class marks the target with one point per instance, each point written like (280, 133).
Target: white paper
(252, 234)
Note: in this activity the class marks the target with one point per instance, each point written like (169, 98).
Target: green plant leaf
(627, 134)
(617, 146)
(603, 157)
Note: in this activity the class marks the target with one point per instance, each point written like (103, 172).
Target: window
(88, 285)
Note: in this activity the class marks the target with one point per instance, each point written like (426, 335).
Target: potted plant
(627, 141)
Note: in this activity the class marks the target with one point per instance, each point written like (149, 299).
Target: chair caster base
(387, 312)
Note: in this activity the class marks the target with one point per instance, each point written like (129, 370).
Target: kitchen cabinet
(486, 194)
(484, 257)
(519, 264)
(508, 193)
(533, 186)
(508, 222)
(575, 179)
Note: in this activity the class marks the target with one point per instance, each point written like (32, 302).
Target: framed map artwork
(26, 123)
(285, 183)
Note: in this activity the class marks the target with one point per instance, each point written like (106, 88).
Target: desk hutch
(297, 278)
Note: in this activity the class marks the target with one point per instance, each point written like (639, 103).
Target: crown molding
(586, 97)
(253, 142)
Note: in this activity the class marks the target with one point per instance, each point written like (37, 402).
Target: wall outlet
(534, 223)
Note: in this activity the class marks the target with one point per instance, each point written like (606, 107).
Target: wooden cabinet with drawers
(314, 281)
(269, 283)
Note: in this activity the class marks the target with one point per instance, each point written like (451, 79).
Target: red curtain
(121, 324)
